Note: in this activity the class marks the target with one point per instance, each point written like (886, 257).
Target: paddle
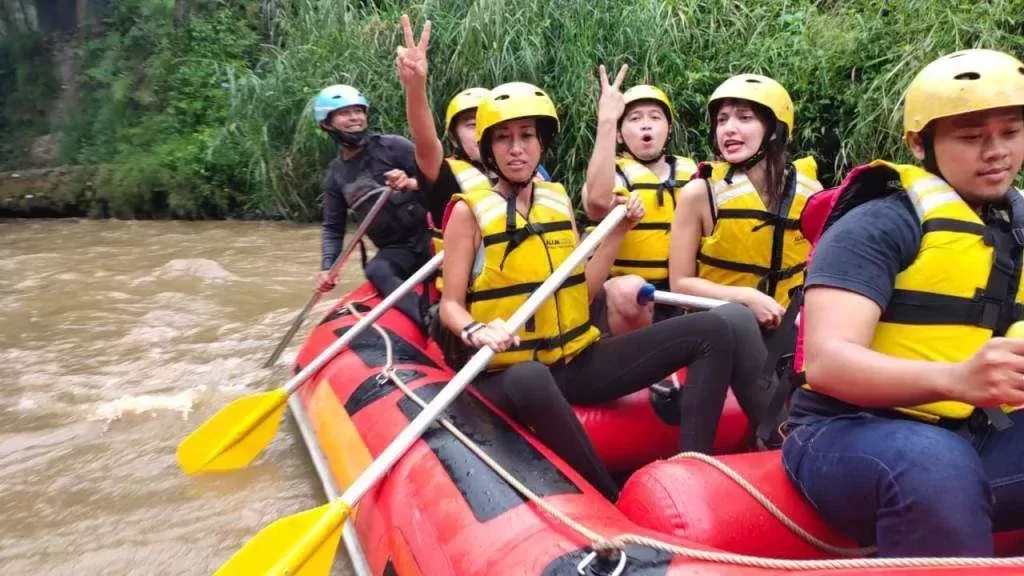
(333, 272)
(304, 544)
(241, 430)
(648, 293)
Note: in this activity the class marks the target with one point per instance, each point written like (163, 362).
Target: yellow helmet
(468, 99)
(759, 89)
(962, 82)
(512, 101)
(647, 92)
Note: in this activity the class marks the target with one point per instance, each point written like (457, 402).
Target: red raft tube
(443, 511)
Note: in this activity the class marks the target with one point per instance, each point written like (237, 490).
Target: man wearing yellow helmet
(897, 437)
(639, 122)
(501, 243)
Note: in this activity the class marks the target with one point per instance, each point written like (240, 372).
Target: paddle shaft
(365, 322)
(332, 273)
(648, 293)
(407, 437)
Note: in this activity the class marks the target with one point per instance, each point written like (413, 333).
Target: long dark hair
(773, 151)
(776, 156)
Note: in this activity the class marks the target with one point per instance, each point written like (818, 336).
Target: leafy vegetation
(211, 117)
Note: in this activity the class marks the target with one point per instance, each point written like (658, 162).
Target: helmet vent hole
(753, 81)
(1021, 70)
(967, 76)
(501, 97)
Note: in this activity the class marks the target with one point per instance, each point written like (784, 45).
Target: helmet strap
(777, 131)
(487, 157)
(350, 140)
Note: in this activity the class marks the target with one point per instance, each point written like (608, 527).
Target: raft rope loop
(618, 543)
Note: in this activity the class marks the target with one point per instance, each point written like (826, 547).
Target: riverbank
(61, 192)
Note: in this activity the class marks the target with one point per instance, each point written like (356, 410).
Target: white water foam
(182, 402)
(201, 268)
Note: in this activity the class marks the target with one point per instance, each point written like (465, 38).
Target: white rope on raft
(619, 542)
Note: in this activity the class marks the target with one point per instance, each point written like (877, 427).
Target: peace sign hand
(411, 62)
(612, 104)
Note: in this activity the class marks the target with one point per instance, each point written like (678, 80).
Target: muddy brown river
(116, 340)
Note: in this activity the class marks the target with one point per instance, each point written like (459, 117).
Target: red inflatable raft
(441, 511)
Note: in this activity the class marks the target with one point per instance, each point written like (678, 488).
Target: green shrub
(846, 64)
(216, 111)
(154, 99)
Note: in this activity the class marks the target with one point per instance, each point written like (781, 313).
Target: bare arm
(839, 326)
(598, 190)
(598, 195)
(692, 219)
(461, 239)
(411, 64)
(599, 266)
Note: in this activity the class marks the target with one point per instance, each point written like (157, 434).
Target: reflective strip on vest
(469, 178)
(751, 246)
(948, 303)
(645, 247)
(561, 328)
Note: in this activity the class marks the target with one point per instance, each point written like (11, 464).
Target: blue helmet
(335, 97)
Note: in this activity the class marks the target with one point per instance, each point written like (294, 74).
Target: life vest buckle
(1018, 236)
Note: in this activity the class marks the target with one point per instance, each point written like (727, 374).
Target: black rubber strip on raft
(342, 311)
(375, 388)
(369, 346)
(640, 561)
(487, 495)
(389, 569)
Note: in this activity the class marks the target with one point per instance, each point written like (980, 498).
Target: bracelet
(469, 330)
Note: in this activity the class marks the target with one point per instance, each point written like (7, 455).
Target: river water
(117, 339)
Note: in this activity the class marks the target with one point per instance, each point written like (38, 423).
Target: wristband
(468, 331)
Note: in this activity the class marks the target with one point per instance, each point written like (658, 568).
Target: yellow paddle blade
(235, 435)
(302, 544)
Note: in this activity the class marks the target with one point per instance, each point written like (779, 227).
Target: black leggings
(539, 396)
(391, 266)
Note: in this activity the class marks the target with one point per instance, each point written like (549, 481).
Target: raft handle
(583, 568)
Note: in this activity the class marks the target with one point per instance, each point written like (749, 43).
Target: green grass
(220, 110)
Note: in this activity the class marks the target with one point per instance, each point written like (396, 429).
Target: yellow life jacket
(645, 248)
(953, 297)
(518, 255)
(469, 178)
(751, 246)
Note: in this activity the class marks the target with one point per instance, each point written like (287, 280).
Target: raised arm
(598, 194)
(411, 64)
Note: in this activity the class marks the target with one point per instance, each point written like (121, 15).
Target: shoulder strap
(780, 344)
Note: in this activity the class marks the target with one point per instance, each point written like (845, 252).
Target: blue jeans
(911, 488)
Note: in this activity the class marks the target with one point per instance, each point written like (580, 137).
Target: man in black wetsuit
(365, 163)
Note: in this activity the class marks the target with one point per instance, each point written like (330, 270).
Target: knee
(741, 320)
(624, 312)
(377, 266)
(715, 330)
(937, 475)
(530, 384)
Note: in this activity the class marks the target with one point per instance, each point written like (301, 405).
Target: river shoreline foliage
(207, 116)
